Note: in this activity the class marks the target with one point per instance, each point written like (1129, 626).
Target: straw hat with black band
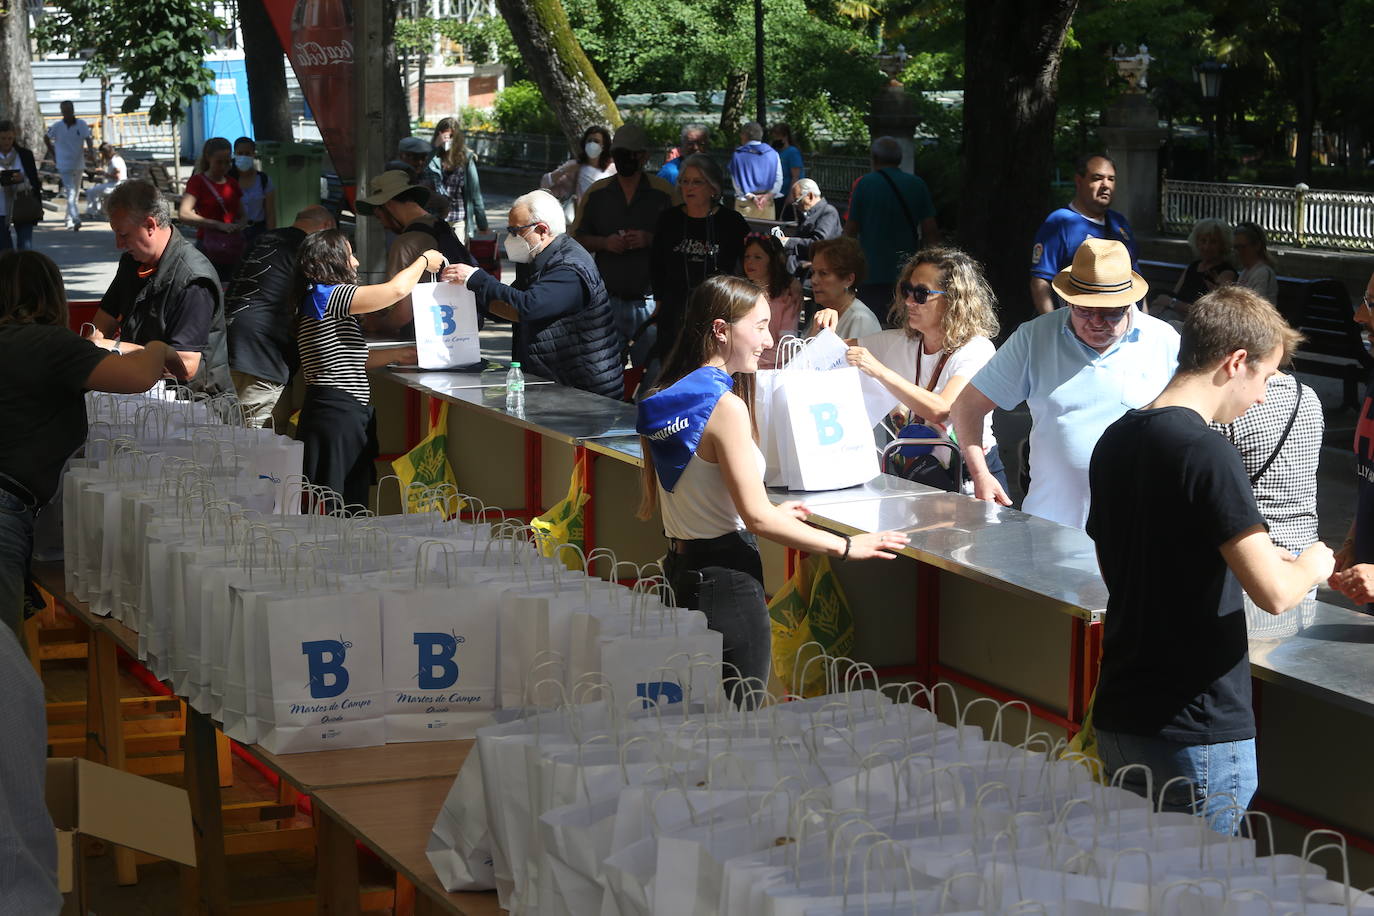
(383, 188)
(1100, 276)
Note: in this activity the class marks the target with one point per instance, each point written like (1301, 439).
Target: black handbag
(27, 207)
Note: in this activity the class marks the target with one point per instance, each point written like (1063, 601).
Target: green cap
(515, 365)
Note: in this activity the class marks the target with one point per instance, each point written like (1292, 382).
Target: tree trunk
(262, 58)
(1010, 100)
(565, 76)
(732, 108)
(1307, 94)
(18, 101)
(395, 104)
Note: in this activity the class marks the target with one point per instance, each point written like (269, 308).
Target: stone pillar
(894, 115)
(1132, 136)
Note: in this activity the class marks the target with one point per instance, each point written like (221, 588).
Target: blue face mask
(243, 163)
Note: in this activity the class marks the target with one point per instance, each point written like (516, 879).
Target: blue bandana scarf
(674, 419)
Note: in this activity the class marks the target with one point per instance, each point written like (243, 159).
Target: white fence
(1302, 216)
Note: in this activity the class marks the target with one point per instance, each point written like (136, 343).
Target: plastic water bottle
(515, 388)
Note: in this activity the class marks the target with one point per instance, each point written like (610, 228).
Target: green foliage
(159, 45)
(520, 108)
(481, 40)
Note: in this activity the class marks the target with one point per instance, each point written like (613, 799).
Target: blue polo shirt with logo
(1065, 229)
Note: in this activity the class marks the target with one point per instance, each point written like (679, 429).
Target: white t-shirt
(857, 321)
(68, 142)
(900, 353)
(117, 165)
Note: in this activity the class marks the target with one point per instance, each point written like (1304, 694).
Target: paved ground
(88, 257)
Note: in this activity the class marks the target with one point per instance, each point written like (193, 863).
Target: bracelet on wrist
(847, 544)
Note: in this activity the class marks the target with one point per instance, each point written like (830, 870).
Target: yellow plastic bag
(810, 608)
(427, 464)
(1083, 746)
(562, 524)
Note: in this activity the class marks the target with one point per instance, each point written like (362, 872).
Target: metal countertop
(1321, 650)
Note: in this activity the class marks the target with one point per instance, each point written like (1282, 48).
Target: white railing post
(1300, 213)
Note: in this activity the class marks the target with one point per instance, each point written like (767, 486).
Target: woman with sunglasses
(765, 264)
(837, 269)
(704, 470)
(945, 317)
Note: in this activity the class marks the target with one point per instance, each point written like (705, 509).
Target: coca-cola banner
(318, 38)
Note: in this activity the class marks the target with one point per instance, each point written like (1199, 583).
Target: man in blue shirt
(793, 171)
(1087, 216)
(693, 139)
(756, 171)
(1079, 369)
(892, 215)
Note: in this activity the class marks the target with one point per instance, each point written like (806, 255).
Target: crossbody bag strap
(901, 202)
(1297, 402)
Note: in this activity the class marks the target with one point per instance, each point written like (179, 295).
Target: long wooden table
(397, 771)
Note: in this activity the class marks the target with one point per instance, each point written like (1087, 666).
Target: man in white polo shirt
(68, 141)
(1079, 369)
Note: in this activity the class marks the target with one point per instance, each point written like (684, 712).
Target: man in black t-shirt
(259, 308)
(1170, 493)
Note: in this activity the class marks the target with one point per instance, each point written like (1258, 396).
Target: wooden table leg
(337, 891)
(205, 888)
(105, 735)
(224, 760)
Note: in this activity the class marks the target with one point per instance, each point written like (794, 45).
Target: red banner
(318, 38)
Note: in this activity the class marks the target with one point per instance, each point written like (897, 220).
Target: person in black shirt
(260, 316)
(1168, 493)
(45, 372)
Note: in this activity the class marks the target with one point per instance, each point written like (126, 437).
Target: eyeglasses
(1368, 301)
(516, 230)
(919, 294)
(1110, 316)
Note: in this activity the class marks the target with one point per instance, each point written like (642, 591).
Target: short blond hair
(1211, 226)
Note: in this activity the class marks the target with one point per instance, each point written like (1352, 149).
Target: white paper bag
(826, 441)
(445, 325)
(438, 665)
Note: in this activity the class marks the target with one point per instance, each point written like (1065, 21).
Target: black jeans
(340, 437)
(723, 578)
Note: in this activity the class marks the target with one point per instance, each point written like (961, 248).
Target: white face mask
(518, 250)
(592, 149)
(243, 163)
(448, 143)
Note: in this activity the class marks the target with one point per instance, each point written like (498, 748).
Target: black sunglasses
(919, 294)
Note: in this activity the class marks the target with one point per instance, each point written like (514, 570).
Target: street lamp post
(1208, 74)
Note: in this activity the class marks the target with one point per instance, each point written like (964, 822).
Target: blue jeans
(629, 314)
(16, 549)
(24, 234)
(1223, 775)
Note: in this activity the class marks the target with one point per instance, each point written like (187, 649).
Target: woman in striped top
(337, 423)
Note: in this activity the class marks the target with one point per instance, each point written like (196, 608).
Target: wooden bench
(1320, 309)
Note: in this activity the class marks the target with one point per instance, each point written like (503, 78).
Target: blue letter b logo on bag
(328, 676)
(828, 428)
(436, 669)
(444, 323)
(659, 693)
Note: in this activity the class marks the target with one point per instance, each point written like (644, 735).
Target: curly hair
(31, 289)
(1214, 227)
(970, 304)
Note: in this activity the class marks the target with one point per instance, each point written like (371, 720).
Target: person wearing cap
(1079, 369)
(418, 153)
(564, 329)
(1088, 215)
(1170, 495)
(615, 222)
(400, 207)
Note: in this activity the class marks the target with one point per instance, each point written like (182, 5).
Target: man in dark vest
(564, 329)
(164, 289)
(400, 207)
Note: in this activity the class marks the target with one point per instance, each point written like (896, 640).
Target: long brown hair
(456, 156)
(720, 297)
(31, 289)
(778, 277)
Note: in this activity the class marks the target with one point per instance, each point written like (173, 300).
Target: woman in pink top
(765, 264)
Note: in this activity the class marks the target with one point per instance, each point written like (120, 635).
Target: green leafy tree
(159, 46)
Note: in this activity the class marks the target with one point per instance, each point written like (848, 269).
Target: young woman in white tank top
(702, 465)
